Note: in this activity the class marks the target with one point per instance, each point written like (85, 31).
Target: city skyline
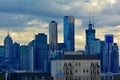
(30, 18)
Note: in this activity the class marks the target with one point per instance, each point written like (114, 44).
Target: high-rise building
(90, 35)
(41, 53)
(114, 59)
(16, 55)
(53, 38)
(110, 55)
(104, 57)
(26, 58)
(8, 51)
(96, 47)
(69, 33)
(8, 45)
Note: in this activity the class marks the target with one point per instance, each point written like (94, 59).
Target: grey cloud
(47, 10)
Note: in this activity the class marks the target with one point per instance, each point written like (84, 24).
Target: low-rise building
(75, 67)
(27, 76)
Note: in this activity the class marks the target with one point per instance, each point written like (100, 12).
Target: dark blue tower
(69, 33)
(16, 55)
(41, 53)
(8, 51)
(90, 36)
(8, 43)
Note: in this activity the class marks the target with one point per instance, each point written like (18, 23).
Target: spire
(89, 18)
(8, 32)
(90, 24)
(93, 21)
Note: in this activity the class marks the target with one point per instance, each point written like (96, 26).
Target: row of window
(77, 71)
(76, 64)
(78, 78)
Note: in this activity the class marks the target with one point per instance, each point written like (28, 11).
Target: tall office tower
(69, 33)
(114, 59)
(16, 55)
(90, 36)
(53, 40)
(8, 49)
(96, 47)
(26, 58)
(8, 45)
(104, 56)
(41, 52)
(109, 42)
(110, 55)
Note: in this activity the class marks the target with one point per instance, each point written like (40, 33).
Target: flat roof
(76, 57)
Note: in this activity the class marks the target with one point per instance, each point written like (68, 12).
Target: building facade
(76, 67)
(26, 58)
(8, 52)
(53, 36)
(16, 55)
(90, 36)
(69, 33)
(27, 76)
(8, 45)
(41, 53)
(110, 55)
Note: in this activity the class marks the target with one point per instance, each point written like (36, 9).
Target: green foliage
(117, 79)
(2, 76)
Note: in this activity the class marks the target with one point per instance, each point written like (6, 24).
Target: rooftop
(76, 57)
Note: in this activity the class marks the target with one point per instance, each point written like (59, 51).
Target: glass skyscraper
(90, 36)
(8, 43)
(69, 33)
(41, 53)
(8, 51)
(26, 58)
(53, 40)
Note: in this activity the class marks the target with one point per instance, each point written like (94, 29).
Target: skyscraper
(41, 53)
(8, 45)
(53, 38)
(69, 33)
(109, 42)
(110, 55)
(114, 59)
(8, 49)
(96, 46)
(16, 55)
(26, 58)
(90, 35)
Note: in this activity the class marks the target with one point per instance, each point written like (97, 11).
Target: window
(65, 64)
(70, 65)
(76, 71)
(87, 71)
(83, 70)
(59, 64)
(75, 64)
(79, 64)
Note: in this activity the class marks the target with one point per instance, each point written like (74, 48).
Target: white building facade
(76, 67)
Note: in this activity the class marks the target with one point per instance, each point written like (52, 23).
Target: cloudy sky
(24, 18)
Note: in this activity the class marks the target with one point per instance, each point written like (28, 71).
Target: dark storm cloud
(33, 7)
(47, 10)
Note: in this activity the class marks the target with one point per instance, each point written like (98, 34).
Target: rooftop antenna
(93, 21)
(89, 18)
(8, 32)
(90, 24)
